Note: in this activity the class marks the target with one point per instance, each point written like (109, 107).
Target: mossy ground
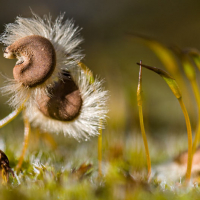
(69, 170)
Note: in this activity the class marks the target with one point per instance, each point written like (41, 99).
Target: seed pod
(57, 94)
(64, 100)
(36, 59)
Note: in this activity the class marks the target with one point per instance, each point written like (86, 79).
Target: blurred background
(111, 53)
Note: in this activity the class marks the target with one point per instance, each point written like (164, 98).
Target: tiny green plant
(176, 91)
(139, 102)
(167, 58)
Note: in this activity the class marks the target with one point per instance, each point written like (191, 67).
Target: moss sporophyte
(57, 93)
(55, 90)
(176, 91)
(139, 102)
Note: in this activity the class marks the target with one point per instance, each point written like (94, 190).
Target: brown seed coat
(37, 59)
(64, 102)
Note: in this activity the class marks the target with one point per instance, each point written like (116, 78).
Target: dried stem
(25, 144)
(197, 97)
(139, 100)
(191, 75)
(177, 93)
(189, 133)
(11, 116)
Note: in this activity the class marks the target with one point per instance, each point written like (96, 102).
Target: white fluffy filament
(65, 39)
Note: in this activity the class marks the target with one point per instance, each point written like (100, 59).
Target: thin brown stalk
(189, 133)
(139, 100)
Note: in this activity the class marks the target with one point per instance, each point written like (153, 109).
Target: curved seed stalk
(139, 101)
(191, 75)
(27, 130)
(188, 66)
(8, 119)
(195, 54)
(12, 115)
(167, 57)
(176, 91)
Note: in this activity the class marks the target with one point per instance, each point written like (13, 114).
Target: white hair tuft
(65, 39)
